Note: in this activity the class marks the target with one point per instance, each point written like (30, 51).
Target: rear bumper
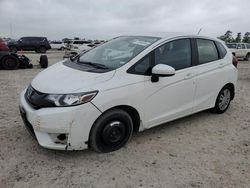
(46, 124)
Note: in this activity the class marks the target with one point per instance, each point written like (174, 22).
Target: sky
(104, 19)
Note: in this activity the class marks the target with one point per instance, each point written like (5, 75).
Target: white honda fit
(130, 83)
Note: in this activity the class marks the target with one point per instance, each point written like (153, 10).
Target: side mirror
(161, 70)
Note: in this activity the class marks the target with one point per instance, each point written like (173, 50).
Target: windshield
(117, 52)
(231, 45)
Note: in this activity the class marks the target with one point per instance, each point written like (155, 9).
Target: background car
(57, 45)
(241, 50)
(38, 44)
(75, 44)
(3, 46)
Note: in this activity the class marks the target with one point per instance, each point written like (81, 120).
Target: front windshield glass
(117, 52)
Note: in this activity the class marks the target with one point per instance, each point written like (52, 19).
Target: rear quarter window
(222, 51)
(207, 51)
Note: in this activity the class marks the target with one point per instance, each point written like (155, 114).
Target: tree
(246, 38)
(238, 38)
(227, 37)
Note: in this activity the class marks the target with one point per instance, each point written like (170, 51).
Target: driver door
(171, 97)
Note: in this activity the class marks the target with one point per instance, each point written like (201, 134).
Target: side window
(221, 49)
(142, 67)
(243, 46)
(176, 54)
(207, 51)
(248, 46)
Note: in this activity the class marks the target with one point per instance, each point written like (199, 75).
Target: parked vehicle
(128, 84)
(241, 50)
(75, 44)
(3, 46)
(11, 61)
(57, 45)
(38, 44)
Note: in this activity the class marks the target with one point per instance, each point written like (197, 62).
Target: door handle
(189, 76)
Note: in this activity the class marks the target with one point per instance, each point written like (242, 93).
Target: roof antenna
(199, 31)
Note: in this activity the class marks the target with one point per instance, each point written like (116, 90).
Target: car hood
(61, 79)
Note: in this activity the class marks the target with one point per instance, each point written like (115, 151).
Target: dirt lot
(202, 150)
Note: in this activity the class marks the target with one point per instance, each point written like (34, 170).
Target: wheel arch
(134, 114)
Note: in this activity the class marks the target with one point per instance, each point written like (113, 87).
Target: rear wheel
(111, 131)
(10, 62)
(223, 100)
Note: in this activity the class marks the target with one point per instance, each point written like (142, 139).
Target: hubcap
(114, 133)
(224, 99)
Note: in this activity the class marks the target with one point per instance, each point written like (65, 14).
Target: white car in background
(128, 84)
(57, 45)
(241, 50)
(75, 44)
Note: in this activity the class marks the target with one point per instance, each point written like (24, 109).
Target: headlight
(71, 99)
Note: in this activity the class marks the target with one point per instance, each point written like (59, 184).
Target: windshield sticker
(141, 43)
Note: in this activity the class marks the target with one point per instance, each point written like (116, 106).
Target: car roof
(169, 36)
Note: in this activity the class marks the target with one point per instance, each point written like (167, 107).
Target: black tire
(43, 61)
(13, 49)
(227, 92)
(10, 62)
(62, 48)
(111, 131)
(42, 49)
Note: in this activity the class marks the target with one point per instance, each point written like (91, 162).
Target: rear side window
(221, 49)
(207, 51)
(248, 46)
(176, 54)
(243, 46)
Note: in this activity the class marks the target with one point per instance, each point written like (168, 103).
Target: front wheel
(223, 100)
(111, 131)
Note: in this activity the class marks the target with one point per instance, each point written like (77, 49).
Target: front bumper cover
(75, 122)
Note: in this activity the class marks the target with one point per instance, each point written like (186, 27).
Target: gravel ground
(202, 150)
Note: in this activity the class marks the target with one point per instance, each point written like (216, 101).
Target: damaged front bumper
(61, 128)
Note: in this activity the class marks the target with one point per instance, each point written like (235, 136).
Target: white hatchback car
(130, 83)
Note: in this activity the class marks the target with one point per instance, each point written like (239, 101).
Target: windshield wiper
(96, 65)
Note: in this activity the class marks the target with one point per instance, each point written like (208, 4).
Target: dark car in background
(38, 44)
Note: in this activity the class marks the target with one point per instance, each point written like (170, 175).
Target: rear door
(211, 73)
(24, 43)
